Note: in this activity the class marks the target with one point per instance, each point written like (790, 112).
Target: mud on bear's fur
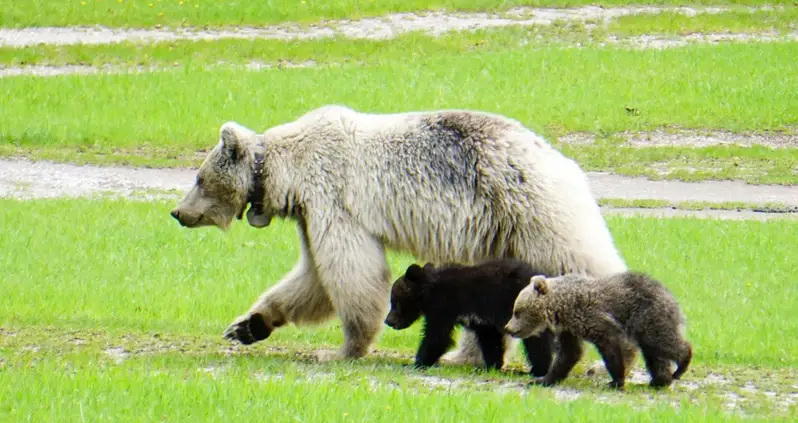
(618, 314)
(478, 297)
(446, 186)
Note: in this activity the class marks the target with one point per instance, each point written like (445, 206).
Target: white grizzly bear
(446, 186)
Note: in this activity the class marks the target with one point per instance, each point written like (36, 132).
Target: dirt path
(642, 42)
(377, 28)
(25, 179)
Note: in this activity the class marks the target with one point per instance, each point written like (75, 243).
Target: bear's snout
(510, 330)
(176, 214)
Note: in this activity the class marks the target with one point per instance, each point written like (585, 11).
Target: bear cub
(617, 314)
(479, 298)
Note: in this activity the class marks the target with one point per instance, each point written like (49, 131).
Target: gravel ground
(383, 27)
(25, 179)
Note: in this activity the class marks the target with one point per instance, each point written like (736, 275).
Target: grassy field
(110, 311)
(558, 90)
(738, 21)
(339, 50)
(129, 13)
(155, 118)
(320, 51)
(127, 299)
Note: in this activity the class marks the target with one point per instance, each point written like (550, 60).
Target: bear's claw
(248, 330)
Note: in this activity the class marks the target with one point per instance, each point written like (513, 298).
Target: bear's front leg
(569, 351)
(437, 339)
(298, 298)
(351, 266)
(539, 352)
(612, 353)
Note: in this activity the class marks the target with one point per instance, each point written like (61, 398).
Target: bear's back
(483, 293)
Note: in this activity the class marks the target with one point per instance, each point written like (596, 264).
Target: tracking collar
(255, 215)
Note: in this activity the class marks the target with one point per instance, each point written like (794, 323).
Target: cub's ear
(232, 136)
(539, 283)
(415, 273)
(428, 267)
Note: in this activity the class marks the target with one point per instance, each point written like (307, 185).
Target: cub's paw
(248, 329)
(616, 385)
(540, 381)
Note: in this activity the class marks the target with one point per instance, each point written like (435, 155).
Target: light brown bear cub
(612, 313)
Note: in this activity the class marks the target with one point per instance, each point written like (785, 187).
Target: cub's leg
(611, 352)
(658, 366)
(437, 339)
(569, 352)
(491, 342)
(539, 352)
(684, 361)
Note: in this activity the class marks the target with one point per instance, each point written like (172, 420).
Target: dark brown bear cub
(479, 298)
(626, 310)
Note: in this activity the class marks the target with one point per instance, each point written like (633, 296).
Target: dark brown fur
(478, 297)
(614, 314)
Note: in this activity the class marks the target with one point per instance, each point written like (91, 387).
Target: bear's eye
(516, 314)
(200, 181)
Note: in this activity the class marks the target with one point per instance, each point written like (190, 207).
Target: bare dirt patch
(25, 179)
(47, 70)
(378, 28)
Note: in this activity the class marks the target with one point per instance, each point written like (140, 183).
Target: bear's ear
(232, 136)
(414, 273)
(428, 267)
(539, 283)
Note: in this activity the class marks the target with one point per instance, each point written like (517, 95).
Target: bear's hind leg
(684, 360)
(467, 352)
(658, 366)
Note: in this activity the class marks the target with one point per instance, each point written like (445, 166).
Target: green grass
(338, 50)
(85, 281)
(755, 164)
(218, 388)
(166, 118)
(555, 91)
(695, 205)
(130, 266)
(737, 21)
(132, 13)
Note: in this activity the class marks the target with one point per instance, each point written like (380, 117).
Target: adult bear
(446, 186)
